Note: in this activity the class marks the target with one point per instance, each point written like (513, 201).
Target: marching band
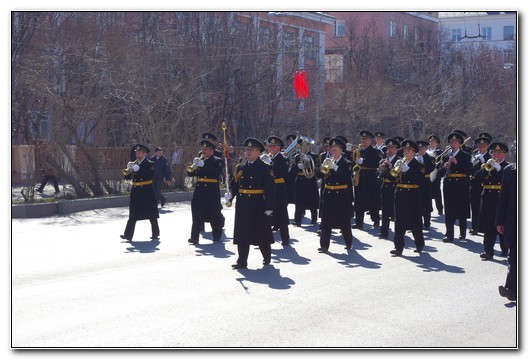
(392, 180)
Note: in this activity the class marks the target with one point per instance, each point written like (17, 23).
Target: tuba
(326, 166)
(307, 161)
(292, 149)
(130, 165)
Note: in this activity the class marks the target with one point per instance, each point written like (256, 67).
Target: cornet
(489, 165)
(397, 168)
(130, 165)
(326, 165)
(194, 165)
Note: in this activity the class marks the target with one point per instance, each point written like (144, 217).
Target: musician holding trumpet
(205, 205)
(490, 175)
(408, 215)
(143, 203)
(456, 187)
(479, 157)
(389, 183)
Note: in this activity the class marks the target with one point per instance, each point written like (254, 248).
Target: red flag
(301, 84)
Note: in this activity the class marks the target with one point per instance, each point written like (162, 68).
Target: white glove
(269, 212)
(334, 166)
(135, 168)
(404, 167)
(200, 163)
(481, 158)
(300, 166)
(268, 160)
(348, 146)
(421, 159)
(228, 197)
(360, 161)
(130, 163)
(496, 166)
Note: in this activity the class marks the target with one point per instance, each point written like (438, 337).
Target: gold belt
(427, 176)
(407, 186)
(336, 187)
(141, 183)
(251, 191)
(279, 180)
(456, 175)
(300, 173)
(366, 168)
(491, 187)
(207, 180)
(389, 181)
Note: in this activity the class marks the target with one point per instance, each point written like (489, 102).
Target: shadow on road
(216, 249)
(289, 254)
(143, 246)
(352, 259)
(430, 264)
(268, 275)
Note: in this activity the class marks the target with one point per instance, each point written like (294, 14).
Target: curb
(65, 207)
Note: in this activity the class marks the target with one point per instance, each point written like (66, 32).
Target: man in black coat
(408, 200)
(456, 187)
(490, 175)
(280, 165)
(426, 185)
(367, 192)
(506, 224)
(162, 173)
(336, 198)
(389, 183)
(142, 198)
(479, 157)
(205, 205)
(253, 185)
(307, 193)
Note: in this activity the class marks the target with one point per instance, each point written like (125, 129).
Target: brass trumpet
(489, 165)
(130, 165)
(326, 165)
(194, 165)
(397, 168)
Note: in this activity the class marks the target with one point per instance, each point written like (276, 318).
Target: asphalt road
(75, 283)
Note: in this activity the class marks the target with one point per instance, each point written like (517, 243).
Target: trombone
(439, 158)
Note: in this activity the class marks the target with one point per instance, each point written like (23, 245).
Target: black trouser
(157, 182)
(384, 229)
(449, 223)
(373, 213)
(217, 223)
(418, 236)
(299, 213)
(427, 216)
(131, 225)
(489, 239)
(244, 251)
(512, 274)
(45, 180)
(325, 238)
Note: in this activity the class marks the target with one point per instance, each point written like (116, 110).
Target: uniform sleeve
(270, 197)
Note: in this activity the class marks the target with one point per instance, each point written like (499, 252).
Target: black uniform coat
(387, 191)
(506, 212)
(205, 205)
(142, 198)
(252, 226)
(476, 186)
(336, 204)
(307, 193)
(408, 211)
(280, 166)
(290, 183)
(426, 184)
(489, 198)
(456, 189)
(367, 193)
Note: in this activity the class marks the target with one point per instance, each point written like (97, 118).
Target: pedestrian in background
(162, 174)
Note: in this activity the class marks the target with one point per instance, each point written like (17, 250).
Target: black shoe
(191, 241)
(508, 293)
(323, 251)
(285, 243)
(124, 237)
(396, 252)
(238, 266)
(376, 224)
(266, 262)
(462, 236)
(486, 256)
(216, 239)
(448, 240)
(427, 227)
(418, 250)
(155, 237)
(348, 247)
(382, 235)
(297, 224)
(162, 202)
(473, 232)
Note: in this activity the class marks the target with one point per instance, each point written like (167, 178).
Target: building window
(392, 29)
(334, 68)
(508, 33)
(264, 36)
(417, 34)
(456, 35)
(405, 32)
(289, 40)
(339, 28)
(508, 56)
(486, 32)
(311, 49)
